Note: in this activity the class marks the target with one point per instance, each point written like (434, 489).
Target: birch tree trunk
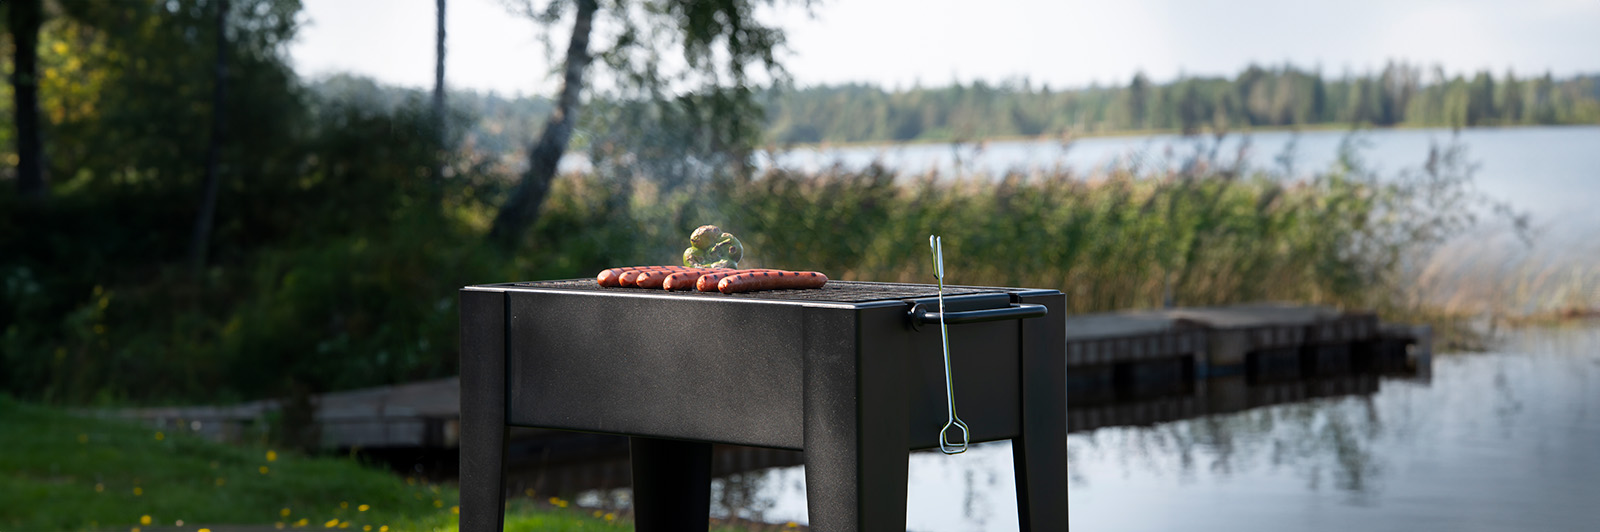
(522, 208)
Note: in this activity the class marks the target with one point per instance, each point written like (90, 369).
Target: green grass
(64, 472)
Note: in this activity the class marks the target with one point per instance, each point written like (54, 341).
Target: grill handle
(922, 314)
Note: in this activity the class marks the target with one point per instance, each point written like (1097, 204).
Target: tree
(1138, 100)
(438, 91)
(1480, 103)
(25, 20)
(204, 220)
(1191, 108)
(719, 40)
(523, 206)
(1511, 99)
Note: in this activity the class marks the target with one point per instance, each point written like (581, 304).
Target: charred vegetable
(710, 247)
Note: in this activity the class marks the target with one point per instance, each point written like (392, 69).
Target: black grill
(851, 374)
(832, 292)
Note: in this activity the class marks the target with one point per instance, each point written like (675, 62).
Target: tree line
(1402, 94)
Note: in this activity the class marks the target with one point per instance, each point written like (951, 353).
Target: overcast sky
(1066, 43)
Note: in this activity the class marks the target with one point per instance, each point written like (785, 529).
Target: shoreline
(1331, 126)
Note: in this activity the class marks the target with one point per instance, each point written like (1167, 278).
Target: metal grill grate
(834, 291)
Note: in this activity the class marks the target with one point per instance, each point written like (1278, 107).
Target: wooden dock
(1123, 368)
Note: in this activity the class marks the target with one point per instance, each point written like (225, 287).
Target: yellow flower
(792, 524)
(99, 487)
(278, 525)
(137, 491)
(284, 512)
(344, 524)
(331, 523)
(221, 481)
(366, 528)
(160, 436)
(384, 528)
(598, 513)
(134, 529)
(263, 469)
(302, 522)
(611, 516)
(344, 504)
(272, 456)
(363, 508)
(144, 520)
(83, 438)
(455, 510)
(438, 503)
(205, 530)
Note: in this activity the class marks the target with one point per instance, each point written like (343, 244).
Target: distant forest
(1401, 94)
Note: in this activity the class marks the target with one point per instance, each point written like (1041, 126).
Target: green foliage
(1258, 97)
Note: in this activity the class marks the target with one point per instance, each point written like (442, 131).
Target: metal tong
(945, 445)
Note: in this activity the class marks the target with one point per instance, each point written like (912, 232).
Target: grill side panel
(984, 359)
(679, 369)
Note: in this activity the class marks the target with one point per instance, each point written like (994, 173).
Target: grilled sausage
(632, 277)
(708, 282)
(685, 280)
(613, 278)
(657, 278)
(752, 281)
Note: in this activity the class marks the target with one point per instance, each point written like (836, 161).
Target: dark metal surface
(833, 292)
(483, 410)
(1039, 453)
(856, 436)
(690, 369)
(843, 376)
(922, 314)
(671, 484)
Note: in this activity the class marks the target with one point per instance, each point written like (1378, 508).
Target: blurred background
(253, 206)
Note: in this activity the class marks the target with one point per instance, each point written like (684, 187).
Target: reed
(1112, 242)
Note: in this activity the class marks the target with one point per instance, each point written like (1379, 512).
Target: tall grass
(1116, 241)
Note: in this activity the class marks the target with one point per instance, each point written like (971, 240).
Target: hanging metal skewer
(945, 445)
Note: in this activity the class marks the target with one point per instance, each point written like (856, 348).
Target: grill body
(844, 376)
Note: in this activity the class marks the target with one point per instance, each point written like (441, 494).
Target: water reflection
(1505, 440)
(1508, 440)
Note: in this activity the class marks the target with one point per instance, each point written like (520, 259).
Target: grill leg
(483, 411)
(671, 484)
(856, 451)
(1040, 455)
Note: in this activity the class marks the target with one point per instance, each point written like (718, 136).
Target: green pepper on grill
(710, 247)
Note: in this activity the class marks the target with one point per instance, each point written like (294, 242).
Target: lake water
(1507, 440)
(1553, 172)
